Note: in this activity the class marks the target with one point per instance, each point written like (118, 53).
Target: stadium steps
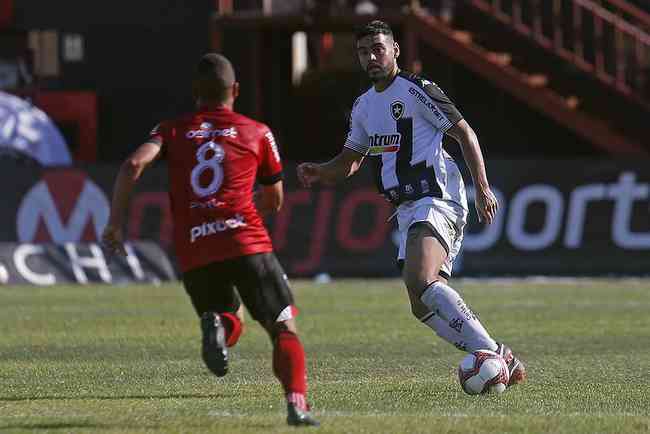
(536, 88)
(605, 40)
(619, 99)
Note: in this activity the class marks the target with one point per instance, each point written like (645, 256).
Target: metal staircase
(530, 87)
(608, 40)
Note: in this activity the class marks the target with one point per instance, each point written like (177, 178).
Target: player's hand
(486, 205)
(113, 240)
(308, 174)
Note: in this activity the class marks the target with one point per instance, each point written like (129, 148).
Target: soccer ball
(483, 371)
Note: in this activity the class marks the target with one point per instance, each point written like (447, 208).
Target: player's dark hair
(375, 27)
(213, 77)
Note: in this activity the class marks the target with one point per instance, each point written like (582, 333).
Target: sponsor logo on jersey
(380, 143)
(216, 226)
(205, 133)
(274, 146)
(209, 204)
(397, 109)
(424, 100)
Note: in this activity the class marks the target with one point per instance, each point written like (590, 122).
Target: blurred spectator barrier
(571, 217)
(49, 264)
(27, 129)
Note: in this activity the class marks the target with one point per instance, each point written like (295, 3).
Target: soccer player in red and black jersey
(215, 156)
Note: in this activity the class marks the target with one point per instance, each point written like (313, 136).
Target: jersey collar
(389, 84)
(213, 108)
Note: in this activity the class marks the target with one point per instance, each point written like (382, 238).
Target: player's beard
(377, 75)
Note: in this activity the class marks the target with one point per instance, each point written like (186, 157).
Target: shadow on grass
(115, 397)
(71, 426)
(51, 425)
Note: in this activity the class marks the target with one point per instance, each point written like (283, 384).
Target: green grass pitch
(76, 359)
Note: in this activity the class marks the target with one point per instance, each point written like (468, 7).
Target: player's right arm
(344, 165)
(347, 162)
(127, 177)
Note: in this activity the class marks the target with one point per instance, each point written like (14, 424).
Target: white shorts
(445, 218)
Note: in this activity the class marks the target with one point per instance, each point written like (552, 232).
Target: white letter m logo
(90, 205)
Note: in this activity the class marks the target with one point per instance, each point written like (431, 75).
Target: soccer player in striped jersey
(400, 122)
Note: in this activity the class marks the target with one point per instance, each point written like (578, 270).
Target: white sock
(450, 309)
(443, 330)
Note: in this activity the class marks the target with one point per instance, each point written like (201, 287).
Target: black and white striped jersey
(403, 126)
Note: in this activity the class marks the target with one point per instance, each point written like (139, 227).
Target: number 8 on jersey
(213, 163)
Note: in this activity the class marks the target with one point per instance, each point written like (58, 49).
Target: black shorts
(259, 279)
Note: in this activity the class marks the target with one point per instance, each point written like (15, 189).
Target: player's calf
(214, 350)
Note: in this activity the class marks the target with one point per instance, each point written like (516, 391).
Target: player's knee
(274, 328)
(288, 325)
(417, 282)
(418, 310)
(424, 257)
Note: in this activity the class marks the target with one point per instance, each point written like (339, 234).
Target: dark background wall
(139, 57)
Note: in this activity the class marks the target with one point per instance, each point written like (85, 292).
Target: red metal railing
(608, 40)
(629, 12)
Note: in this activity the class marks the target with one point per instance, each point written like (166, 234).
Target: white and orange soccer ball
(483, 371)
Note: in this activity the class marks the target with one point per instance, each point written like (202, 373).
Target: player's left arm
(270, 195)
(444, 115)
(486, 202)
(127, 177)
(269, 198)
